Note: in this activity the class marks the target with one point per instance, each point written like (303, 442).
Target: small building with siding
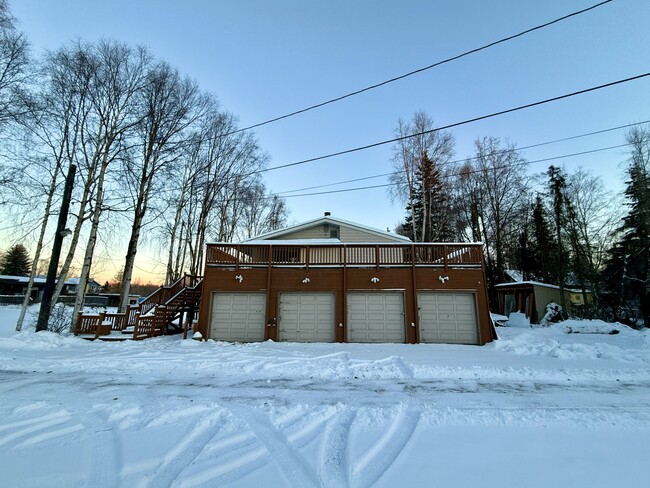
(331, 280)
(531, 298)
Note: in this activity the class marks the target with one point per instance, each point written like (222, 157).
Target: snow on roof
(538, 283)
(37, 279)
(326, 219)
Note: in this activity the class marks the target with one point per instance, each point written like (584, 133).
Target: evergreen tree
(16, 261)
(627, 273)
(557, 187)
(428, 217)
(539, 258)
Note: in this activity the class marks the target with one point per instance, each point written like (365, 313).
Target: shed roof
(521, 284)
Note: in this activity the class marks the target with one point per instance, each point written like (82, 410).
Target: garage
(306, 317)
(238, 317)
(448, 318)
(376, 317)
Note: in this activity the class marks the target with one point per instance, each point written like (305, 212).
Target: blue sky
(266, 58)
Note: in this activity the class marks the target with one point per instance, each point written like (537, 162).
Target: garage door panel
(238, 317)
(306, 317)
(447, 318)
(375, 317)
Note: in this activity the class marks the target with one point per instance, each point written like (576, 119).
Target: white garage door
(306, 317)
(238, 317)
(449, 318)
(376, 317)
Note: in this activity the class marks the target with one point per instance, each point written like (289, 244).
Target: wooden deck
(345, 255)
(170, 309)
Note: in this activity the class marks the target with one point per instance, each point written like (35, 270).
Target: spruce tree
(428, 217)
(16, 262)
(542, 243)
(627, 273)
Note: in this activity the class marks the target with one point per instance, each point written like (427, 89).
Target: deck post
(344, 298)
(416, 321)
(269, 320)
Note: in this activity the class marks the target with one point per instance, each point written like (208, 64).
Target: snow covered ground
(538, 408)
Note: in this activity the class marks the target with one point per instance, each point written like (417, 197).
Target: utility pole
(48, 291)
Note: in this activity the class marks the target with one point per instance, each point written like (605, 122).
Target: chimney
(327, 214)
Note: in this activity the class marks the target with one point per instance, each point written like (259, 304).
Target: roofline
(328, 218)
(537, 283)
(305, 243)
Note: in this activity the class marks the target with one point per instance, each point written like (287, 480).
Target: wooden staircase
(168, 310)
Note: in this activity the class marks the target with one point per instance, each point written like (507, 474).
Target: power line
(503, 151)
(455, 124)
(420, 70)
(523, 163)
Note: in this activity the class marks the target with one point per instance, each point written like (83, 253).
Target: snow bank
(580, 339)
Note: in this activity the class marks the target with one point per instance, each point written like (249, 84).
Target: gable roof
(328, 219)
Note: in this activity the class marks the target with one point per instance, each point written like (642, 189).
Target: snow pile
(28, 339)
(561, 341)
(518, 319)
(591, 327)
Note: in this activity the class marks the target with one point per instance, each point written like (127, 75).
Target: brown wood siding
(290, 279)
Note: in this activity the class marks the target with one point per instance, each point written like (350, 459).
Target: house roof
(514, 274)
(39, 280)
(327, 219)
(75, 281)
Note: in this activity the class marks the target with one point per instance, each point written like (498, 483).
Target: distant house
(17, 286)
(531, 298)
(71, 285)
(331, 280)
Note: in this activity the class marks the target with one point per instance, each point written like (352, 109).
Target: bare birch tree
(169, 106)
(491, 196)
(56, 121)
(13, 67)
(258, 212)
(224, 166)
(119, 77)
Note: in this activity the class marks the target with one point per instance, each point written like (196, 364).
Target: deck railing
(146, 319)
(355, 255)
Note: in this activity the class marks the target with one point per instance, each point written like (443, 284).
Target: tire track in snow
(33, 426)
(104, 452)
(18, 384)
(232, 464)
(333, 467)
(186, 451)
(377, 460)
(296, 469)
